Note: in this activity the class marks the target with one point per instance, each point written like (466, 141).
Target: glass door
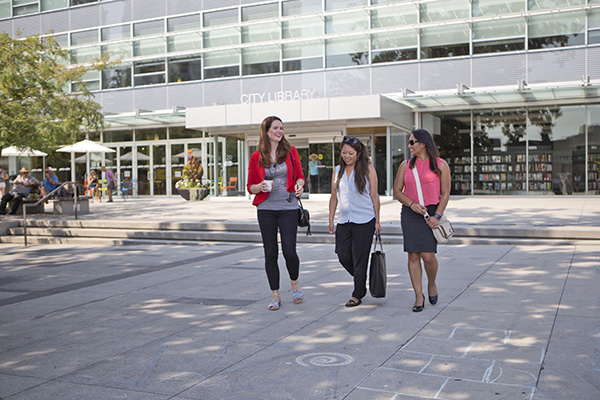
(125, 172)
(143, 170)
(159, 169)
(178, 160)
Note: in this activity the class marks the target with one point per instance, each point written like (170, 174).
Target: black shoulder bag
(303, 214)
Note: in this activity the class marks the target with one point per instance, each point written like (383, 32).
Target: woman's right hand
(419, 209)
(331, 228)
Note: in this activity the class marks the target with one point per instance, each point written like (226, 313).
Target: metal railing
(75, 196)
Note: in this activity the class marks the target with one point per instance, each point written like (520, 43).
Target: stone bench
(65, 205)
(39, 209)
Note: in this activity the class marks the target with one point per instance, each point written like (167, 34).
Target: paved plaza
(191, 322)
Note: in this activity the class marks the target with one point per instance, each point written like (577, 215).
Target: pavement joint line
(111, 278)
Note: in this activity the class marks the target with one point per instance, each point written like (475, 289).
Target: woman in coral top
(419, 242)
(275, 177)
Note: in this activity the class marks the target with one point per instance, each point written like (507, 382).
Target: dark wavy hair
(264, 144)
(361, 169)
(424, 137)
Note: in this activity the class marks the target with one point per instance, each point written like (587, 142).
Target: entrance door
(159, 169)
(326, 161)
(144, 174)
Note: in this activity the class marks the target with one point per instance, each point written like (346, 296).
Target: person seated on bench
(22, 187)
(50, 182)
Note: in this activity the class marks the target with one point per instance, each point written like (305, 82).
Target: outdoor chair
(231, 185)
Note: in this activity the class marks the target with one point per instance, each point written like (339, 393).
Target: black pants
(314, 183)
(16, 201)
(352, 245)
(286, 221)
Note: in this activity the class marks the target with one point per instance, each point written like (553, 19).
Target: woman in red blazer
(275, 177)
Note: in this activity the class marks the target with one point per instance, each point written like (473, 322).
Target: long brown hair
(424, 137)
(264, 144)
(361, 168)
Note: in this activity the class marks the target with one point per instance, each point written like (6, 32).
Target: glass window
(542, 4)
(116, 33)
(302, 56)
(394, 46)
(445, 41)
(594, 18)
(148, 28)
(302, 7)
(394, 16)
(221, 37)
(445, 10)
(185, 23)
(263, 11)
(116, 77)
(556, 30)
(302, 27)
(225, 17)
(218, 64)
(499, 153)
(77, 2)
(5, 9)
(185, 42)
(593, 160)
(498, 36)
(331, 5)
(27, 9)
(260, 60)
(180, 132)
(90, 80)
(118, 49)
(54, 4)
(347, 22)
(556, 139)
(62, 40)
(497, 7)
(260, 33)
(185, 69)
(148, 47)
(149, 73)
(84, 55)
(151, 134)
(85, 37)
(347, 52)
(118, 136)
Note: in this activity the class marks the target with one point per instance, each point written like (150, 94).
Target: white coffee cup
(269, 183)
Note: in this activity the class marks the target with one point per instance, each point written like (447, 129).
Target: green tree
(37, 109)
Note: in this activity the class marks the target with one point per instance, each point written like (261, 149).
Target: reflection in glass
(159, 170)
(497, 7)
(593, 157)
(445, 41)
(346, 52)
(260, 60)
(185, 69)
(116, 78)
(143, 170)
(557, 30)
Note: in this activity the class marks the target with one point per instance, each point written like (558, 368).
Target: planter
(194, 194)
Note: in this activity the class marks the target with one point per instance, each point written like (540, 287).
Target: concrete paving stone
(70, 391)
(370, 394)
(524, 329)
(330, 373)
(12, 384)
(572, 363)
(433, 346)
(456, 389)
(168, 366)
(404, 383)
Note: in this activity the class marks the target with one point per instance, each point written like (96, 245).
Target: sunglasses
(350, 140)
(412, 142)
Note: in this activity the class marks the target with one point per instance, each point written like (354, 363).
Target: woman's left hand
(433, 222)
(377, 227)
(299, 190)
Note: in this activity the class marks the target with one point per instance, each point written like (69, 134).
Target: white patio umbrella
(184, 154)
(25, 151)
(93, 157)
(85, 146)
(129, 156)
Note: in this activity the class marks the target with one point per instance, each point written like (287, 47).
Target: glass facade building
(508, 88)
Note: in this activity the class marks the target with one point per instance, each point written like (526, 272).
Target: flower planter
(193, 194)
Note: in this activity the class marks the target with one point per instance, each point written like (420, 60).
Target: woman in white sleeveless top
(354, 189)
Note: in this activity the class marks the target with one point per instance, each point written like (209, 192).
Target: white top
(353, 206)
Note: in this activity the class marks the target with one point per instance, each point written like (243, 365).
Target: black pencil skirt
(417, 235)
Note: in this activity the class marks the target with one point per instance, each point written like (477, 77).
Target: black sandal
(352, 303)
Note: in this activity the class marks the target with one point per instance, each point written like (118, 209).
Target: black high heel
(433, 299)
(421, 307)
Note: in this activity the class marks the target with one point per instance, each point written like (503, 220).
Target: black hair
(422, 136)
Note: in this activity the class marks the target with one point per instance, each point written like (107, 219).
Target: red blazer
(256, 174)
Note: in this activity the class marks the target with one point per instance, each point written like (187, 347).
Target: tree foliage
(37, 109)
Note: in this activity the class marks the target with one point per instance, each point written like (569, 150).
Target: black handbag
(303, 214)
(377, 270)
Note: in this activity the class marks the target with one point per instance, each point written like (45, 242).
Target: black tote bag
(377, 270)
